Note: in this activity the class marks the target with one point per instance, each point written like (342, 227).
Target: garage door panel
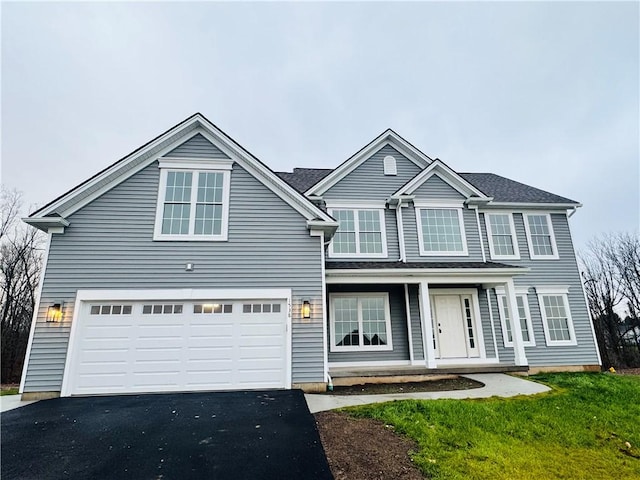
(142, 352)
(210, 353)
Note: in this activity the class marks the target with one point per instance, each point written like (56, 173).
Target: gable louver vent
(390, 165)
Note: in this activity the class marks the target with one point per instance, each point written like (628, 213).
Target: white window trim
(554, 246)
(561, 292)
(521, 292)
(194, 166)
(376, 206)
(427, 206)
(514, 238)
(361, 347)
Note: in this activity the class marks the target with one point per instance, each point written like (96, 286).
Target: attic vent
(390, 165)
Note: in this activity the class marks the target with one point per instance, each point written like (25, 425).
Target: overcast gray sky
(543, 93)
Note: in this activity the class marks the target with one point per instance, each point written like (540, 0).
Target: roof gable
(439, 168)
(196, 132)
(388, 137)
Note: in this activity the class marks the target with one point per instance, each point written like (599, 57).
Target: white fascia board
(549, 206)
(263, 173)
(389, 137)
(45, 223)
(116, 166)
(446, 174)
(215, 136)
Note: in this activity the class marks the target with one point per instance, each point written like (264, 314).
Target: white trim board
(196, 124)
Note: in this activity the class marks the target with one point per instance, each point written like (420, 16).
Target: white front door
(454, 326)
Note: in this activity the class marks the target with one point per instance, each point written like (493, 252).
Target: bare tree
(20, 266)
(611, 272)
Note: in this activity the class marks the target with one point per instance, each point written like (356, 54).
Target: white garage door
(163, 346)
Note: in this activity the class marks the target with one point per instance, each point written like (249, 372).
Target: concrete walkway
(9, 402)
(495, 385)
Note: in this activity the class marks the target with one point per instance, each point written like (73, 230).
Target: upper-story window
(441, 230)
(360, 233)
(193, 200)
(503, 244)
(540, 237)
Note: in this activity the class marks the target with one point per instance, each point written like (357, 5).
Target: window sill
(189, 238)
(565, 343)
(444, 254)
(384, 348)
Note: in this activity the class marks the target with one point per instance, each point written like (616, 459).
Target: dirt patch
(442, 385)
(365, 449)
(9, 386)
(629, 371)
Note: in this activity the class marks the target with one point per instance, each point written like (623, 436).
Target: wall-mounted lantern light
(54, 312)
(306, 309)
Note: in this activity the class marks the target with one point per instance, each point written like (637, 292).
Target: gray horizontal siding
(563, 271)
(411, 238)
(197, 147)
(485, 322)
(368, 181)
(109, 245)
(399, 335)
(436, 188)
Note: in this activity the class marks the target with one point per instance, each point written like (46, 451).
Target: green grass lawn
(9, 391)
(579, 430)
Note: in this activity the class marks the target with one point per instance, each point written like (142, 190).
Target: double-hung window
(441, 231)
(193, 200)
(556, 317)
(501, 232)
(540, 237)
(360, 322)
(361, 233)
(523, 313)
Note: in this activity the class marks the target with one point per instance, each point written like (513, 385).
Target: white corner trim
(36, 309)
(554, 245)
(514, 238)
(426, 253)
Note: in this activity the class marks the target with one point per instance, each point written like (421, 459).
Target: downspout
(403, 253)
(484, 256)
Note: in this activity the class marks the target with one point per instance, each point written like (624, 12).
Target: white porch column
(427, 325)
(514, 318)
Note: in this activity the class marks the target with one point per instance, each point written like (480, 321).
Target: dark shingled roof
(505, 190)
(358, 265)
(304, 178)
(500, 188)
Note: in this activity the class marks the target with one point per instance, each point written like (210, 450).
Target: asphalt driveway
(229, 435)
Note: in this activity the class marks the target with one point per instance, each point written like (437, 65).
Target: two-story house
(190, 265)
